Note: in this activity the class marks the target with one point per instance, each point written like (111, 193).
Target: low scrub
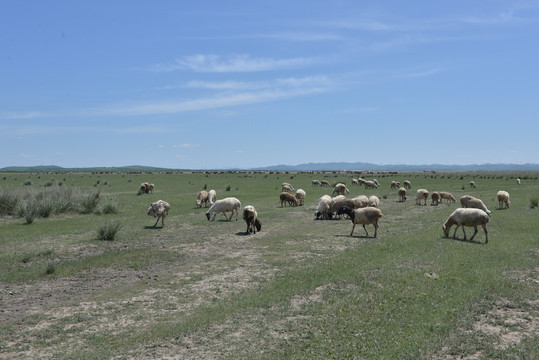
(108, 230)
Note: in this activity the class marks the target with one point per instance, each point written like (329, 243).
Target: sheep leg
(163, 221)
(154, 225)
(486, 232)
(366, 232)
(353, 227)
(455, 232)
(464, 232)
(375, 229)
(474, 233)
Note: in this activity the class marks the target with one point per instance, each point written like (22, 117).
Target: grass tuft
(108, 230)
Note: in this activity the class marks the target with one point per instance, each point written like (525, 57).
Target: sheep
(212, 196)
(374, 201)
(143, 188)
(394, 185)
(376, 182)
(229, 204)
(160, 210)
(287, 187)
(289, 198)
(503, 198)
(150, 188)
(402, 194)
(370, 185)
(323, 208)
(202, 197)
(472, 184)
(324, 183)
(300, 195)
(421, 194)
(316, 183)
(340, 189)
(445, 195)
(435, 196)
(251, 219)
(361, 201)
(363, 216)
(355, 181)
(468, 201)
(338, 202)
(518, 181)
(407, 184)
(466, 217)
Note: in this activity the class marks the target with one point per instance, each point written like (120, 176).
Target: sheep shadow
(151, 227)
(355, 236)
(243, 233)
(477, 242)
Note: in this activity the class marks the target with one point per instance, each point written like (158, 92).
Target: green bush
(534, 203)
(89, 203)
(110, 208)
(108, 230)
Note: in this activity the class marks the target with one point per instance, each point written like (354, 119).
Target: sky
(245, 84)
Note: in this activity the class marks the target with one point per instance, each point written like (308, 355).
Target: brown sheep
(289, 198)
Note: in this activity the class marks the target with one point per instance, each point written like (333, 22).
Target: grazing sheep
(363, 216)
(518, 181)
(503, 198)
(370, 185)
(340, 189)
(338, 202)
(212, 196)
(150, 188)
(435, 196)
(323, 208)
(421, 194)
(472, 184)
(376, 182)
(287, 187)
(355, 181)
(251, 218)
(445, 195)
(468, 201)
(160, 210)
(467, 217)
(230, 204)
(202, 197)
(324, 183)
(394, 185)
(289, 198)
(402, 194)
(407, 184)
(144, 188)
(300, 195)
(374, 201)
(316, 183)
(361, 201)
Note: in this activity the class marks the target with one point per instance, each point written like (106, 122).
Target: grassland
(300, 288)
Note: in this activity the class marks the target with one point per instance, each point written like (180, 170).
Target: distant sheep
(468, 201)
(448, 196)
(370, 185)
(287, 187)
(324, 206)
(212, 196)
(160, 210)
(316, 183)
(374, 201)
(376, 182)
(150, 188)
(361, 201)
(363, 216)
(402, 194)
(518, 181)
(355, 181)
(144, 188)
(230, 204)
(407, 184)
(300, 195)
(435, 197)
(202, 198)
(503, 199)
(289, 198)
(251, 219)
(340, 189)
(324, 183)
(421, 194)
(394, 185)
(467, 217)
(472, 184)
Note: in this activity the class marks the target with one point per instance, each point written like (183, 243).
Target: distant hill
(360, 166)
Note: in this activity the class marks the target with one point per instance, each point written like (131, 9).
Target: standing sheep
(370, 185)
(144, 188)
(467, 217)
(374, 201)
(421, 194)
(160, 210)
(407, 184)
(363, 216)
(202, 197)
(468, 201)
(361, 201)
(230, 204)
(402, 194)
(316, 183)
(472, 184)
(287, 187)
(212, 196)
(340, 189)
(300, 195)
(355, 182)
(503, 199)
(150, 188)
(324, 183)
(448, 196)
(289, 198)
(394, 185)
(435, 196)
(251, 218)
(323, 208)
(518, 181)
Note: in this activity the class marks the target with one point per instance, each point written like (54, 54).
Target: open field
(300, 288)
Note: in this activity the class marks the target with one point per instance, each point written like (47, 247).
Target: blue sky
(222, 84)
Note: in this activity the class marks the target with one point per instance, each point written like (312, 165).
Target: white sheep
(361, 201)
(289, 198)
(323, 208)
(287, 187)
(503, 199)
(355, 182)
(407, 184)
(300, 195)
(518, 181)
(324, 183)
(151, 187)
(230, 204)
(472, 184)
(202, 197)
(394, 185)
(402, 194)
(435, 196)
(376, 182)
(374, 201)
(316, 183)
(467, 217)
(338, 202)
(160, 210)
(340, 189)
(251, 218)
(144, 188)
(468, 201)
(421, 194)
(212, 196)
(370, 185)
(448, 196)
(363, 216)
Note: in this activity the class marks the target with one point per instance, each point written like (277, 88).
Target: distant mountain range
(360, 166)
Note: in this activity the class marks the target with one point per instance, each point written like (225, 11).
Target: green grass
(298, 289)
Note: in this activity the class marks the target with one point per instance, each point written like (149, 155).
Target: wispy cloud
(234, 63)
(185, 145)
(421, 74)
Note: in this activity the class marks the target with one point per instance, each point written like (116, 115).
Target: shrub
(50, 269)
(534, 203)
(28, 182)
(89, 203)
(30, 211)
(108, 230)
(9, 202)
(228, 187)
(110, 208)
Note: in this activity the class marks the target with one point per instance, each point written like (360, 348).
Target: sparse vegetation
(108, 230)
